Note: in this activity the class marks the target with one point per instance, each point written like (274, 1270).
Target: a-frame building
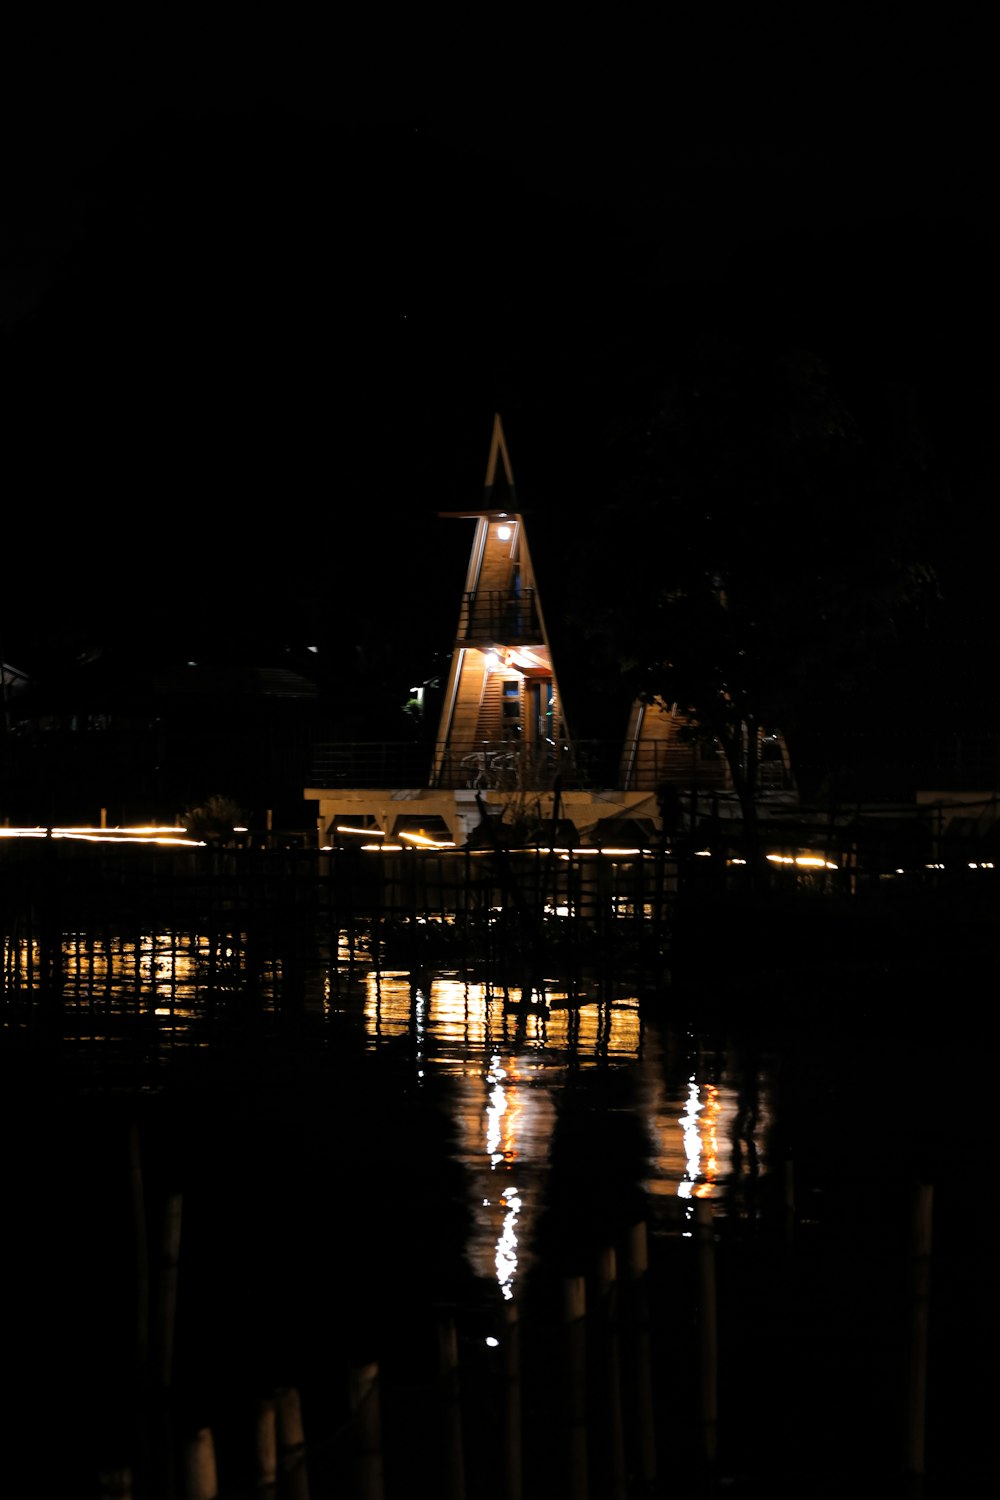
(502, 722)
(504, 749)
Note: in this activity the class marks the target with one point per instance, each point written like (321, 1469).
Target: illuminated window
(512, 699)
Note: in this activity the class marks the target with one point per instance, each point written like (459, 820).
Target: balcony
(496, 617)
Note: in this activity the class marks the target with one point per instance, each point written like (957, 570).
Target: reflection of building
(504, 746)
(501, 1071)
(708, 1133)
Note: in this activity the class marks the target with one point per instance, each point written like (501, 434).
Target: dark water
(404, 1150)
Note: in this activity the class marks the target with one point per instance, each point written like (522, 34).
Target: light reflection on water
(170, 979)
(501, 1063)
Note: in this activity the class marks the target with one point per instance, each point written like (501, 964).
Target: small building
(505, 761)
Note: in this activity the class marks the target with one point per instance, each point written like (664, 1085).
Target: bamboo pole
(789, 1201)
(575, 1330)
(116, 1484)
(452, 1413)
(920, 1280)
(142, 1304)
(642, 1353)
(170, 1254)
(141, 1254)
(512, 1372)
(266, 1448)
(291, 1443)
(368, 1451)
(708, 1324)
(200, 1477)
(607, 1278)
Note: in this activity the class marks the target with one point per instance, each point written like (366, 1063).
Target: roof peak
(498, 451)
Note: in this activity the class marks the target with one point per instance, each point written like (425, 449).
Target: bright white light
(503, 532)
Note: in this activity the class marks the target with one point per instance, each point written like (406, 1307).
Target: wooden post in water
(451, 1410)
(170, 1254)
(607, 1276)
(705, 1240)
(141, 1256)
(116, 1484)
(789, 1201)
(368, 1431)
(266, 1449)
(291, 1443)
(200, 1478)
(920, 1284)
(574, 1319)
(512, 1390)
(142, 1306)
(642, 1353)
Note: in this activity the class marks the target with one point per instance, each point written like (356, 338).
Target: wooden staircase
(489, 726)
(661, 747)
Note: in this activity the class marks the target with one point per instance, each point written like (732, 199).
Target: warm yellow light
(106, 836)
(804, 861)
(371, 833)
(426, 842)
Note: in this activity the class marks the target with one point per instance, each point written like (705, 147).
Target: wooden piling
(607, 1280)
(642, 1352)
(920, 1280)
(368, 1432)
(452, 1447)
(291, 1443)
(141, 1357)
(708, 1331)
(512, 1374)
(200, 1478)
(266, 1448)
(169, 1259)
(141, 1254)
(789, 1201)
(116, 1484)
(575, 1331)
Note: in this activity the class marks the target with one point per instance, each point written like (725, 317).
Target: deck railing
(506, 765)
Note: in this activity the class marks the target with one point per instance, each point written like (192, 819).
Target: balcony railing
(499, 618)
(500, 765)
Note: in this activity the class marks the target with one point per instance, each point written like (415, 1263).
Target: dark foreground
(323, 1224)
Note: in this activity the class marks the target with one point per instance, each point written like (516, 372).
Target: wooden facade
(502, 722)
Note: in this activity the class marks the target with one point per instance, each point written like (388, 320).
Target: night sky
(253, 331)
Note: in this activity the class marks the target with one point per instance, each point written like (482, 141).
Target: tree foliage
(770, 548)
(214, 820)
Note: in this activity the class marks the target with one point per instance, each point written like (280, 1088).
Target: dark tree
(770, 550)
